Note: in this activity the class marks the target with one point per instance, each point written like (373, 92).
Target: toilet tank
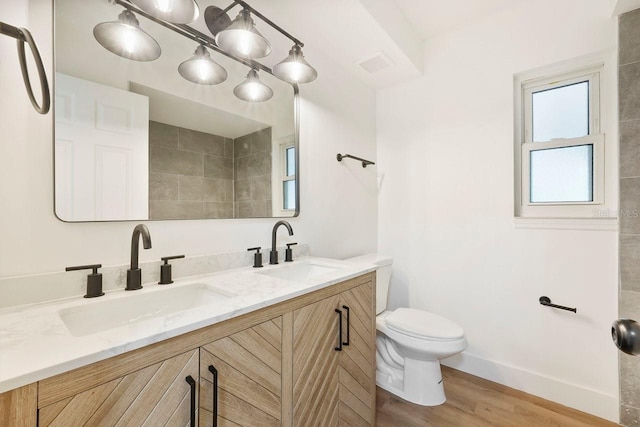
(383, 277)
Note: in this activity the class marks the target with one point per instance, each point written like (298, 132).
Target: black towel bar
(365, 162)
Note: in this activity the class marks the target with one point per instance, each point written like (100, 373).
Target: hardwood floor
(476, 402)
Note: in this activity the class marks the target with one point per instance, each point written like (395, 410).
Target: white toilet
(410, 343)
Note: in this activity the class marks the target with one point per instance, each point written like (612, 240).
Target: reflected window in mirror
(288, 177)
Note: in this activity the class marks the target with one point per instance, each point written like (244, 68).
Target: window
(288, 156)
(560, 145)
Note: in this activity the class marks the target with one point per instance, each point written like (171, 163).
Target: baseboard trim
(571, 395)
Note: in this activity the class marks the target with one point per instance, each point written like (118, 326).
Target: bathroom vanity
(284, 349)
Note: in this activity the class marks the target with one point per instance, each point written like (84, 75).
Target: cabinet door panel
(357, 361)
(315, 364)
(249, 365)
(151, 396)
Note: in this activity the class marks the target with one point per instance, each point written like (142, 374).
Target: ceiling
(431, 17)
(351, 31)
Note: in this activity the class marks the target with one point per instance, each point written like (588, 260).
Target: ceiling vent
(376, 63)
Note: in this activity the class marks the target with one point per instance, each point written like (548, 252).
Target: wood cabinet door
(315, 364)
(158, 395)
(248, 366)
(357, 375)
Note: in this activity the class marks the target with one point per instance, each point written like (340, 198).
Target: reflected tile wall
(252, 169)
(190, 174)
(629, 93)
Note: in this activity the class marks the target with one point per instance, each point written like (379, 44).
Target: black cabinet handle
(339, 347)
(192, 384)
(214, 371)
(348, 325)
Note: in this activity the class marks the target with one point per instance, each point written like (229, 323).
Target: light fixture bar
(266, 20)
(195, 35)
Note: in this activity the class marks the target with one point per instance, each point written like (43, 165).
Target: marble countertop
(35, 342)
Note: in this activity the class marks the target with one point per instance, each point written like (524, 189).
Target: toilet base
(420, 381)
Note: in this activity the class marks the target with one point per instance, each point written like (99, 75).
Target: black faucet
(273, 255)
(134, 274)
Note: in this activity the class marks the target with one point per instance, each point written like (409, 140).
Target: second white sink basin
(301, 271)
(109, 314)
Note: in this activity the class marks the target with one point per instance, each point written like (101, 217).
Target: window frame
(551, 78)
(598, 167)
(591, 75)
(284, 146)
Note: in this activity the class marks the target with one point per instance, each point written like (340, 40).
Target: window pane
(289, 193)
(562, 174)
(291, 161)
(562, 112)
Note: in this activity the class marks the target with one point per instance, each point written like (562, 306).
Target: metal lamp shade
(125, 38)
(176, 11)
(242, 39)
(294, 68)
(252, 89)
(201, 69)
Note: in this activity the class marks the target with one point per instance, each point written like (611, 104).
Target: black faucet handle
(257, 257)
(165, 269)
(94, 280)
(93, 267)
(166, 259)
(288, 253)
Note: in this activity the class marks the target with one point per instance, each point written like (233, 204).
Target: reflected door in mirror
(102, 152)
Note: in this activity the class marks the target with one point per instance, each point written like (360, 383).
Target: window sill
(586, 224)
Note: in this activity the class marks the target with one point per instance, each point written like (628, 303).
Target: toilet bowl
(410, 344)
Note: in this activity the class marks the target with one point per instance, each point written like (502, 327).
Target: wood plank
(117, 403)
(79, 409)
(357, 361)
(315, 364)
(178, 417)
(243, 361)
(171, 371)
(240, 385)
(240, 412)
(249, 371)
(270, 332)
(149, 396)
(349, 418)
(169, 406)
(17, 406)
(287, 370)
(253, 342)
(361, 393)
(474, 401)
(47, 415)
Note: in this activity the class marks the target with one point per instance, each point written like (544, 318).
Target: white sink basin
(109, 314)
(301, 271)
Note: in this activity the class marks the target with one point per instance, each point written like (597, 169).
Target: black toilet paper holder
(547, 302)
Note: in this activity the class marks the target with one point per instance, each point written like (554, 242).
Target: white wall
(445, 147)
(338, 200)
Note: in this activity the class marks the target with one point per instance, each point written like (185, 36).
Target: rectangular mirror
(137, 141)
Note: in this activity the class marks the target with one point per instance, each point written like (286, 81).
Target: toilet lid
(422, 324)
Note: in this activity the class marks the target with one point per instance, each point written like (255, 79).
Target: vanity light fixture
(294, 68)
(242, 39)
(125, 38)
(238, 39)
(176, 11)
(201, 69)
(253, 89)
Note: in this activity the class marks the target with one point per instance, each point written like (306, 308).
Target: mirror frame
(296, 142)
